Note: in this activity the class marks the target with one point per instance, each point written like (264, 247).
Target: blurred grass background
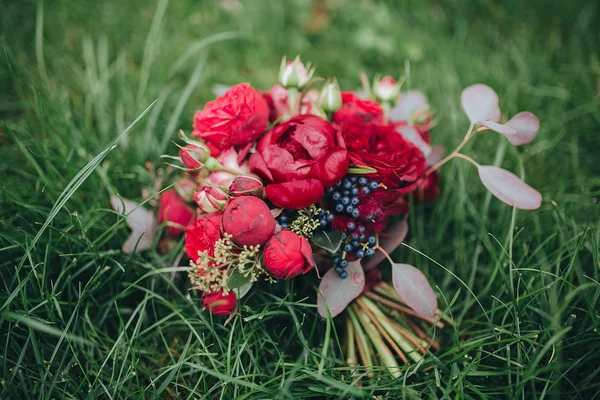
(81, 320)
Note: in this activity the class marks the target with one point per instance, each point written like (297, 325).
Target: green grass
(81, 320)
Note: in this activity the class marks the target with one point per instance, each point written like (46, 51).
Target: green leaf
(236, 280)
(361, 170)
(330, 241)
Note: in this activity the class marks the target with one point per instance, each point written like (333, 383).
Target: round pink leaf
(394, 235)
(436, 155)
(140, 220)
(526, 124)
(338, 292)
(414, 289)
(410, 134)
(508, 188)
(501, 129)
(480, 103)
(410, 102)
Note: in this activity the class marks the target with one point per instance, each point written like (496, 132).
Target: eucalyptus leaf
(330, 241)
(236, 280)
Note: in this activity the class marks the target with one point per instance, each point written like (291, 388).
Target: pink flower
(210, 198)
(287, 255)
(249, 220)
(174, 211)
(193, 157)
(277, 99)
(386, 89)
(229, 159)
(246, 185)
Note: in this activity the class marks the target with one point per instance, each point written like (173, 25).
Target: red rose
(398, 162)
(249, 220)
(354, 116)
(287, 255)
(299, 159)
(174, 211)
(246, 185)
(210, 199)
(218, 303)
(202, 235)
(236, 118)
(193, 157)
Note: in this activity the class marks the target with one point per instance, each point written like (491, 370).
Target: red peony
(287, 255)
(249, 220)
(236, 118)
(174, 211)
(202, 235)
(299, 159)
(220, 304)
(398, 162)
(354, 116)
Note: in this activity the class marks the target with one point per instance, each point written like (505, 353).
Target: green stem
(364, 343)
(292, 99)
(454, 153)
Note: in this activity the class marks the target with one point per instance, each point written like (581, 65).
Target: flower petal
(501, 129)
(332, 167)
(414, 289)
(526, 124)
(508, 188)
(337, 293)
(480, 103)
(295, 195)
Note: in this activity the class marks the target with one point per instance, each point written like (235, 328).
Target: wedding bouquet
(307, 178)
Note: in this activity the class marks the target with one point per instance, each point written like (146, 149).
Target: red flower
(218, 303)
(249, 220)
(287, 255)
(174, 211)
(246, 185)
(398, 162)
(299, 159)
(354, 116)
(210, 198)
(193, 157)
(236, 118)
(202, 235)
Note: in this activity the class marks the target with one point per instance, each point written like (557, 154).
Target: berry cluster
(358, 247)
(345, 195)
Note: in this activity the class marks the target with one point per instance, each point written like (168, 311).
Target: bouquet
(305, 178)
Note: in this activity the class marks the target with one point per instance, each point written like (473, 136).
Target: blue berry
(362, 237)
(344, 263)
(338, 184)
(349, 209)
(323, 223)
(372, 240)
(337, 259)
(355, 191)
(355, 235)
(365, 190)
(355, 243)
(336, 196)
(330, 190)
(351, 226)
(339, 207)
(353, 179)
(344, 236)
(360, 254)
(346, 193)
(284, 225)
(370, 252)
(355, 213)
(330, 217)
(339, 270)
(347, 184)
(347, 247)
(362, 181)
(345, 200)
(355, 201)
(362, 229)
(344, 275)
(283, 218)
(373, 185)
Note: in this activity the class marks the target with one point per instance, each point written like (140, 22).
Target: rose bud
(331, 96)
(386, 89)
(249, 220)
(287, 255)
(246, 185)
(210, 198)
(218, 303)
(194, 156)
(174, 211)
(293, 74)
